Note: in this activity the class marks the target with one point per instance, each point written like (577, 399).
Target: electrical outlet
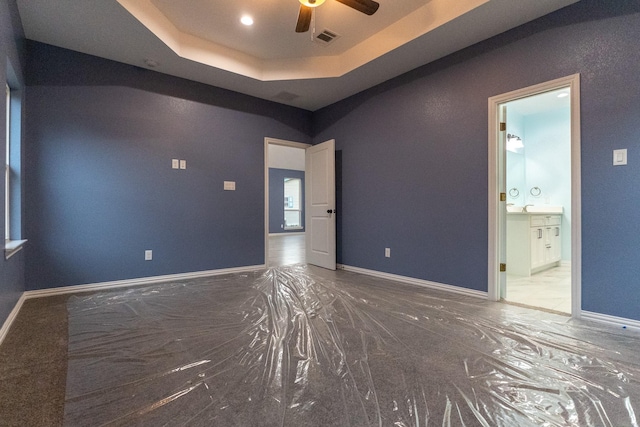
(175, 164)
(148, 255)
(183, 164)
(387, 252)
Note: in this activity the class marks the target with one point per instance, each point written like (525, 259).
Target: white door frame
(267, 142)
(495, 206)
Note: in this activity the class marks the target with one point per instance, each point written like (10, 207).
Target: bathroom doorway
(538, 183)
(534, 219)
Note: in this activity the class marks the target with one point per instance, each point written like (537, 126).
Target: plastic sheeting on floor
(300, 346)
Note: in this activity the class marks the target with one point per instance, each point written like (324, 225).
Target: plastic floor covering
(301, 346)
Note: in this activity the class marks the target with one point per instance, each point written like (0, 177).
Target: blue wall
(11, 39)
(276, 198)
(414, 153)
(100, 187)
(411, 162)
(547, 137)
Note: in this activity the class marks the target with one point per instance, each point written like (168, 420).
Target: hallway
(286, 249)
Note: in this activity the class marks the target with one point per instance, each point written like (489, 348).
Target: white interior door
(320, 205)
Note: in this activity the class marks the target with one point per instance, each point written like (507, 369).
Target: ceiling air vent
(326, 37)
(286, 96)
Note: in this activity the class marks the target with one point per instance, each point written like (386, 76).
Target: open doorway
(534, 186)
(284, 202)
(538, 183)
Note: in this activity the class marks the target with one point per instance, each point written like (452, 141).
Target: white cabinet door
(556, 243)
(537, 247)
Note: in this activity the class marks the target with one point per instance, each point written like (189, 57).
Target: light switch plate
(230, 185)
(148, 255)
(620, 157)
(175, 164)
(183, 164)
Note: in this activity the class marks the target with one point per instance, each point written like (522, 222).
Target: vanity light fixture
(515, 140)
(514, 143)
(311, 3)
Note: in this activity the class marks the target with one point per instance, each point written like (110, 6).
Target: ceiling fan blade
(368, 7)
(304, 19)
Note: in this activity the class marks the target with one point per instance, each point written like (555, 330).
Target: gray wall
(414, 153)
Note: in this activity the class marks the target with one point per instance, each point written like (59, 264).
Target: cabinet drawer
(542, 220)
(553, 220)
(538, 220)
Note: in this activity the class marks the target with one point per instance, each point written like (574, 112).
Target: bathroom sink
(543, 209)
(514, 208)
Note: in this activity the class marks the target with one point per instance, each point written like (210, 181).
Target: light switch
(175, 164)
(620, 157)
(183, 164)
(230, 185)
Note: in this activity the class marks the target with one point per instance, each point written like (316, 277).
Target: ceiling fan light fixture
(311, 3)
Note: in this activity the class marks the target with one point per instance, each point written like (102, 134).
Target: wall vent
(326, 37)
(286, 96)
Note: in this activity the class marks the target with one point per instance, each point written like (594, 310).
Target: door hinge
(503, 126)
(503, 267)
(503, 197)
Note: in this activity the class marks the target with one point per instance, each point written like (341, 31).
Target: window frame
(7, 167)
(12, 239)
(290, 201)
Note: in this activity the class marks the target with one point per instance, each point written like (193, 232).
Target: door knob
(330, 211)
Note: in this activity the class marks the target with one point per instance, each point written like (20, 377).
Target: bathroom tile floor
(548, 290)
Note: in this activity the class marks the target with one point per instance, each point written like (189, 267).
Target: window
(12, 225)
(292, 204)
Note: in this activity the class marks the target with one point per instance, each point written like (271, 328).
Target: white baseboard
(293, 233)
(137, 282)
(417, 282)
(618, 322)
(12, 316)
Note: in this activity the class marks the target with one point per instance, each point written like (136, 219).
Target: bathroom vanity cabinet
(534, 242)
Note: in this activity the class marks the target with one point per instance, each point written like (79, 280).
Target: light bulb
(311, 3)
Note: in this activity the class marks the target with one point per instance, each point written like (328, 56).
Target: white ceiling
(203, 40)
(543, 102)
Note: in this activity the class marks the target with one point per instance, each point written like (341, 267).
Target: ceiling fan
(368, 7)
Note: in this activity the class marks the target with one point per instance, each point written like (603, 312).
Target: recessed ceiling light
(247, 20)
(563, 95)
